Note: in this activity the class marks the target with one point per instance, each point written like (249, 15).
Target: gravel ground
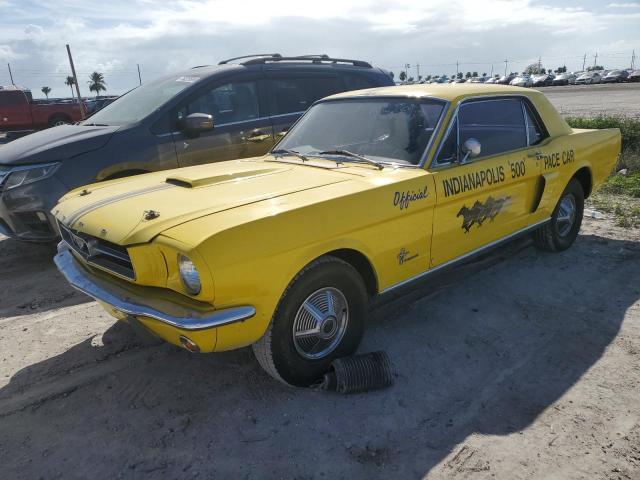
(593, 100)
(521, 365)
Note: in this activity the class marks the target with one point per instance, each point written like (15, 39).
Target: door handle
(258, 136)
(536, 155)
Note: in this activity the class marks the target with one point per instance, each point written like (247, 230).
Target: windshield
(142, 101)
(395, 130)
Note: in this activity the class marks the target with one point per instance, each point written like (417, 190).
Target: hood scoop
(196, 181)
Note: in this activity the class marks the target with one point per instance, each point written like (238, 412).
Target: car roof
(449, 92)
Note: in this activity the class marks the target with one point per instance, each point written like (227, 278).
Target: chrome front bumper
(124, 301)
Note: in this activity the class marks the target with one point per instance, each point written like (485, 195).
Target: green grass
(629, 128)
(619, 195)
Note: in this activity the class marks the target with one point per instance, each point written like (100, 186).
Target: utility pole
(139, 76)
(491, 74)
(506, 62)
(584, 60)
(539, 64)
(418, 72)
(75, 80)
(595, 61)
(633, 60)
(457, 68)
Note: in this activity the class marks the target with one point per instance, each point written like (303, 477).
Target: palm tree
(46, 91)
(70, 82)
(96, 83)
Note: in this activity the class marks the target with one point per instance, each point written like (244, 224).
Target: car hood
(136, 209)
(55, 144)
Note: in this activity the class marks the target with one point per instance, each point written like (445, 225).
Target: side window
(353, 81)
(498, 125)
(297, 94)
(535, 133)
(232, 102)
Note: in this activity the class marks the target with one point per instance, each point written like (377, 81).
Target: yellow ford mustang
(369, 192)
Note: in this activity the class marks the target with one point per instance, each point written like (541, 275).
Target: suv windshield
(142, 101)
(395, 130)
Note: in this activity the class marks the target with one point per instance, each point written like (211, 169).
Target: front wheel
(320, 317)
(560, 233)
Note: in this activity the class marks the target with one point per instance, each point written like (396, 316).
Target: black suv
(236, 109)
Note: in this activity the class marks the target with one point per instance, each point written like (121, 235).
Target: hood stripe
(108, 201)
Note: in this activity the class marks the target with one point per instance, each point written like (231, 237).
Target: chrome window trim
(476, 99)
(465, 256)
(287, 114)
(526, 121)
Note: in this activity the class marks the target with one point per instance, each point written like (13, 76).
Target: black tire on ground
(282, 354)
(59, 120)
(560, 233)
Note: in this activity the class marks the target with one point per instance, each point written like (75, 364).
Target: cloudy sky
(115, 35)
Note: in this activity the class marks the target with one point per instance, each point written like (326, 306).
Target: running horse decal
(481, 212)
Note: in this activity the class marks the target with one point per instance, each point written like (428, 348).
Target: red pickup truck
(19, 111)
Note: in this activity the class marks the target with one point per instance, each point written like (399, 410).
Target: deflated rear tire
(560, 233)
(320, 317)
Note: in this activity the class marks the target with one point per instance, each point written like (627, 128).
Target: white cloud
(624, 5)
(167, 36)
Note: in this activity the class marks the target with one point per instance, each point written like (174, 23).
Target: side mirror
(197, 123)
(471, 149)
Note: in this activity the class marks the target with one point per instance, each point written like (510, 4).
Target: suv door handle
(258, 136)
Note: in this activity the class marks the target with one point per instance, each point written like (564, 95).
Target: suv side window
(354, 81)
(296, 94)
(228, 103)
(498, 125)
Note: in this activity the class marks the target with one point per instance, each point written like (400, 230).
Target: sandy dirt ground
(521, 365)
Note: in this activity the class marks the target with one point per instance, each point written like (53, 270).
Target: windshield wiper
(286, 151)
(354, 156)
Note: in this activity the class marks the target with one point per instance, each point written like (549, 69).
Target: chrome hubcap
(566, 215)
(320, 323)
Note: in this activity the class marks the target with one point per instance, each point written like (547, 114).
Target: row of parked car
(549, 79)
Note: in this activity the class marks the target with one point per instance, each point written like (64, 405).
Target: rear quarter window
(296, 94)
(355, 81)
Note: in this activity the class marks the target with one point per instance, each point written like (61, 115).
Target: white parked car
(522, 81)
(588, 78)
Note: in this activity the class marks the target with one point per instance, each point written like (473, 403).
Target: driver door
(486, 198)
(241, 128)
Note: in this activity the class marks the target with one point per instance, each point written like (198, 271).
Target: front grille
(99, 252)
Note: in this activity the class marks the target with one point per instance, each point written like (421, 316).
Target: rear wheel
(320, 318)
(560, 233)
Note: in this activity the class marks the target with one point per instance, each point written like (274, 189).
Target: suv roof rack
(276, 57)
(270, 55)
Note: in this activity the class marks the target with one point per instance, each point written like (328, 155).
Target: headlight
(189, 275)
(25, 175)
